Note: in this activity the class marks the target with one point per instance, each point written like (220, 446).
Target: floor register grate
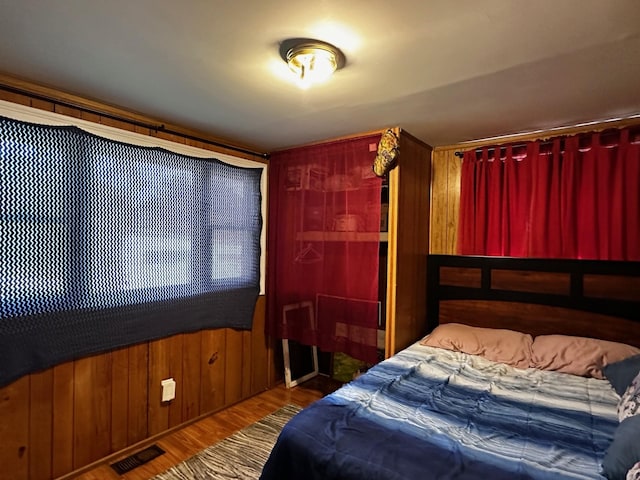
(139, 458)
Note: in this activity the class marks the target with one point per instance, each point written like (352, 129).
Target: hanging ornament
(388, 150)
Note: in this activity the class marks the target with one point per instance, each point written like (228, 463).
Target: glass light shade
(312, 61)
(312, 65)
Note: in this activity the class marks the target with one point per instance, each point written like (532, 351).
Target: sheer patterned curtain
(570, 197)
(324, 224)
(105, 244)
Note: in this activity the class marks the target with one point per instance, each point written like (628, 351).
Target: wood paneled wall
(59, 420)
(408, 245)
(64, 418)
(445, 180)
(52, 100)
(445, 200)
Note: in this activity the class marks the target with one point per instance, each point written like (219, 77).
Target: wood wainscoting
(62, 419)
(181, 444)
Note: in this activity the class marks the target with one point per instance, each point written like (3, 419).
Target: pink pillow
(498, 345)
(577, 355)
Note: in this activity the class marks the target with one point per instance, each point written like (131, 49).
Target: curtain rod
(545, 140)
(137, 123)
(460, 154)
(479, 149)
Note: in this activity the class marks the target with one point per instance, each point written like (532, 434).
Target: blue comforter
(428, 413)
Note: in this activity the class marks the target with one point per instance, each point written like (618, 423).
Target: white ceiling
(444, 70)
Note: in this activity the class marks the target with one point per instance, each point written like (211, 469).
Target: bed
(445, 408)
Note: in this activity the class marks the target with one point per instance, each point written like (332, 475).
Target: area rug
(240, 456)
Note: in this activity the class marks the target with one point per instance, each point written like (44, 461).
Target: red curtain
(324, 224)
(494, 202)
(570, 197)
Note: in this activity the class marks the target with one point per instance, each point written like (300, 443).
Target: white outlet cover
(168, 389)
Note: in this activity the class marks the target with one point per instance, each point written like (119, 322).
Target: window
(116, 243)
(96, 226)
(229, 235)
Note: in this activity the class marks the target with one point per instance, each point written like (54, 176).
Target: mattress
(429, 413)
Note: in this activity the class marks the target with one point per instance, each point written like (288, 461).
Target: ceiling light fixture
(312, 61)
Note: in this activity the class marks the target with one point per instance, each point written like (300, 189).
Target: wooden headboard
(589, 298)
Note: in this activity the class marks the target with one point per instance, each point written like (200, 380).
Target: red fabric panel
(587, 203)
(606, 201)
(571, 197)
(321, 199)
(494, 204)
(494, 169)
(630, 213)
(516, 205)
(468, 195)
(545, 239)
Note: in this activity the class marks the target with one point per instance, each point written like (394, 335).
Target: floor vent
(143, 456)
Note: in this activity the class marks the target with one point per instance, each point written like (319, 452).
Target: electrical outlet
(168, 389)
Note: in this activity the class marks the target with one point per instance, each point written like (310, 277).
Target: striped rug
(240, 456)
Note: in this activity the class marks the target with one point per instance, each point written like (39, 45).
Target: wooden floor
(189, 440)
